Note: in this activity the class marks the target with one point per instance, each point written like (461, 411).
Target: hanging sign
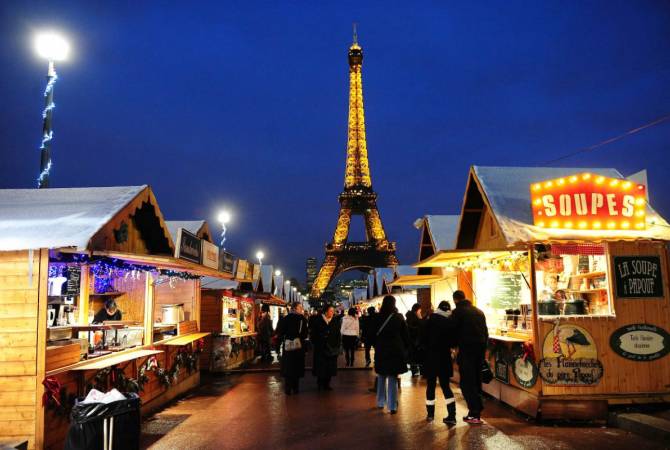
(73, 280)
(638, 276)
(525, 372)
(188, 246)
(570, 357)
(501, 371)
(242, 268)
(210, 255)
(588, 201)
(226, 262)
(640, 342)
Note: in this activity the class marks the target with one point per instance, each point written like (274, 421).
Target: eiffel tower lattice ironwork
(358, 197)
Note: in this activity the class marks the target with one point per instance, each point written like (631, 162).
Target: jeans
(387, 391)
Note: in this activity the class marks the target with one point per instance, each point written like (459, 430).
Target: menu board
(638, 276)
(73, 280)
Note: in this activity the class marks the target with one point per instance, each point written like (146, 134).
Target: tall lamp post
(51, 47)
(224, 218)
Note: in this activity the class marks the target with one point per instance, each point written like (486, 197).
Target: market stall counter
(574, 286)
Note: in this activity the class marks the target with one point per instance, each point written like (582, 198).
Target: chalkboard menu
(638, 276)
(73, 280)
(189, 246)
(507, 292)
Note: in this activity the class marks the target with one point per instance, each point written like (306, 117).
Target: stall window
(572, 279)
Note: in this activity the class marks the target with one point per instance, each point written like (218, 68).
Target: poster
(501, 370)
(525, 372)
(640, 342)
(638, 276)
(570, 357)
(188, 246)
(210, 255)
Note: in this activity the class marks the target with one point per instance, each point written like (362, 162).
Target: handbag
(291, 345)
(487, 374)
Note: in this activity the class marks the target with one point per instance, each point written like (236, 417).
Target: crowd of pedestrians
(422, 343)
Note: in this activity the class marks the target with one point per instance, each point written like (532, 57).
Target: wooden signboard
(525, 372)
(638, 276)
(242, 269)
(210, 255)
(188, 247)
(501, 371)
(640, 342)
(226, 262)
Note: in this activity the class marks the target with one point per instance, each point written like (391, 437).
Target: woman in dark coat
(414, 324)
(326, 340)
(391, 346)
(437, 338)
(293, 326)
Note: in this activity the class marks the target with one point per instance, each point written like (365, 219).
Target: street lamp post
(224, 218)
(51, 47)
(260, 255)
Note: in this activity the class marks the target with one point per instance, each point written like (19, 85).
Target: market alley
(250, 411)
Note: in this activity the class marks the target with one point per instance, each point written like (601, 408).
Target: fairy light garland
(47, 135)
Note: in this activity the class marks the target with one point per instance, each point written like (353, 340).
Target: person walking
(391, 346)
(326, 339)
(292, 332)
(350, 330)
(414, 324)
(265, 333)
(437, 339)
(367, 324)
(471, 333)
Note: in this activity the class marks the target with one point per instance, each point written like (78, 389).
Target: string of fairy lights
(47, 134)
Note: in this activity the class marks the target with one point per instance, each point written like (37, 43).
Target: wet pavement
(250, 411)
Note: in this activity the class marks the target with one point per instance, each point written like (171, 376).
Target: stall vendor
(109, 312)
(551, 292)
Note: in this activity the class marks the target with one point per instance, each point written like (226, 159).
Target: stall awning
(165, 262)
(416, 280)
(270, 300)
(447, 258)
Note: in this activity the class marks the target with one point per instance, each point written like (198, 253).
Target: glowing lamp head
(277, 273)
(224, 217)
(52, 46)
(260, 255)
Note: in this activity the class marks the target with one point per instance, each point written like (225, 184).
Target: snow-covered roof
(443, 230)
(508, 192)
(58, 217)
(218, 283)
(192, 226)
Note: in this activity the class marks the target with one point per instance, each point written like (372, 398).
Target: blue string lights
(47, 132)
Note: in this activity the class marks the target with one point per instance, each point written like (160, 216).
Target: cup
(51, 316)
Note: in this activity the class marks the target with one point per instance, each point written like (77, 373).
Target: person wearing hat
(109, 312)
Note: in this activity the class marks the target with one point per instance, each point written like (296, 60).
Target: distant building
(343, 289)
(312, 271)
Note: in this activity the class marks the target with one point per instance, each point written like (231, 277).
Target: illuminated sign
(589, 202)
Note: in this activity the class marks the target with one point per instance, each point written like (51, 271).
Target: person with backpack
(292, 333)
(391, 346)
(437, 339)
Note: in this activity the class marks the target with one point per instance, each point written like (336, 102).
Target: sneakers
(472, 420)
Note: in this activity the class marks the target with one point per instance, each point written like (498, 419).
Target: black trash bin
(118, 421)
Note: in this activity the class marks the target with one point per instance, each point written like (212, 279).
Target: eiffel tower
(357, 198)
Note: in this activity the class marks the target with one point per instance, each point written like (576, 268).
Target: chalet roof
(192, 226)
(443, 230)
(507, 190)
(58, 217)
(218, 283)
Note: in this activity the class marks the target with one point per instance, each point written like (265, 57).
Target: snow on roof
(443, 231)
(191, 226)
(508, 192)
(218, 283)
(58, 217)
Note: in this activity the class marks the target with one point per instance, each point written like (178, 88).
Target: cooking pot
(575, 307)
(547, 308)
(173, 313)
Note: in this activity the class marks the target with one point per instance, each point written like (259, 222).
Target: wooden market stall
(63, 254)
(570, 267)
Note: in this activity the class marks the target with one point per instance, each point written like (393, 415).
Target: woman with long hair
(391, 346)
(350, 330)
(292, 333)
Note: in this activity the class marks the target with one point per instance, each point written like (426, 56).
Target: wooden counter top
(508, 338)
(184, 339)
(112, 360)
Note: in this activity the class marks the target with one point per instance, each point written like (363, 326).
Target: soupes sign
(587, 201)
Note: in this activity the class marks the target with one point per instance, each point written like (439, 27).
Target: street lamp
(277, 273)
(260, 255)
(224, 218)
(51, 47)
(295, 290)
(287, 290)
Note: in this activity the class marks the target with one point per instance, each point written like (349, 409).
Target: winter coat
(414, 325)
(368, 330)
(469, 325)
(391, 345)
(290, 327)
(326, 340)
(265, 330)
(349, 326)
(437, 339)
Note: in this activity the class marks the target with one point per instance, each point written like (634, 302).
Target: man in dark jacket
(414, 324)
(265, 333)
(469, 325)
(290, 327)
(326, 339)
(437, 338)
(368, 333)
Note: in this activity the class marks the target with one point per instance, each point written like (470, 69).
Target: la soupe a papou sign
(587, 201)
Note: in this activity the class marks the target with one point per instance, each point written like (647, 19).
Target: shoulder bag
(291, 345)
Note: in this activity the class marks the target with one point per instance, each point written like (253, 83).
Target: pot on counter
(173, 313)
(547, 308)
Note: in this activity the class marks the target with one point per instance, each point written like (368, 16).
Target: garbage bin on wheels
(105, 426)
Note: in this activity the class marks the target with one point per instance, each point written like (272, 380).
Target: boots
(430, 410)
(451, 412)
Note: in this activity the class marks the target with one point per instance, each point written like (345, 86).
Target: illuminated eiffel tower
(358, 197)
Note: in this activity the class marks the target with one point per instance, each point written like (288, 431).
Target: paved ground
(250, 411)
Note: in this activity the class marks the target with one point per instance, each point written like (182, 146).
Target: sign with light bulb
(589, 201)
